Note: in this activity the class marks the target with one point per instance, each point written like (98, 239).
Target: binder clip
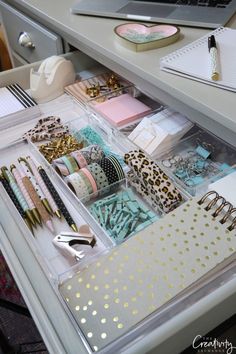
(67, 239)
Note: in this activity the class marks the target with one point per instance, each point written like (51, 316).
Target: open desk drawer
(174, 327)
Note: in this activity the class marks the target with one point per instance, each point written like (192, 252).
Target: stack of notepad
(16, 106)
(160, 132)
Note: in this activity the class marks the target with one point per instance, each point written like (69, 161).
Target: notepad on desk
(17, 105)
(193, 60)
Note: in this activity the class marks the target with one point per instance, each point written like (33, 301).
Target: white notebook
(16, 106)
(172, 258)
(224, 187)
(193, 60)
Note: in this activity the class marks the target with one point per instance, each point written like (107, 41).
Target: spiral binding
(189, 47)
(224, 205)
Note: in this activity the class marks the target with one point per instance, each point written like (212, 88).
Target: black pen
(11, 194)
(57, 199)
(214, 57)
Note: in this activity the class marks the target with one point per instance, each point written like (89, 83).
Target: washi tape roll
(65, 165)
(117, 166)
(86, 181)
(91, 179)
(60, 167)
(98, 175)
(70, 163)
(77, 184)
(79, 158)
(111, 170)
(92, 153)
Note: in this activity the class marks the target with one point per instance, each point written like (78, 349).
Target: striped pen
(18, 177)
(27, 171)
(45, 216)
(9, 177)
(15, 201)
(43, 186)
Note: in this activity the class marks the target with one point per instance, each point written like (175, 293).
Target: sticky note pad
(122, 110)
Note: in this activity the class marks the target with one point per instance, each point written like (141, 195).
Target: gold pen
(28, 172)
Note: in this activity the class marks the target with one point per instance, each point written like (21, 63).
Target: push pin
(93, 91)
(113, 82)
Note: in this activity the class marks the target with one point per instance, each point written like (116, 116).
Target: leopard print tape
(155, 180)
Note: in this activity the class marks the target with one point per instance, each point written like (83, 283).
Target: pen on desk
(18, 194)
(27, 171)
(11, 194)
(214, 58)
(45, 216)
(57, 199)
(18, 177)
(43, 186)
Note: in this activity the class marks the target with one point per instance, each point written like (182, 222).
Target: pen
(45, 216)
(58, 199)
(25, 193)
(43, 186)
(18, 194)
(29, 174)
(11, 194)
(214, 57)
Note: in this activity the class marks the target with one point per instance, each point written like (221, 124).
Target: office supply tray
(59, 267)
(150, 105)
(198, 160)
(52, 260)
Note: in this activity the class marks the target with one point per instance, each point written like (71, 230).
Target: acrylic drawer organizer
(198, 160)
(52, 260)
(144, 213)
(123, 108)
(94, 88)
(121, 211)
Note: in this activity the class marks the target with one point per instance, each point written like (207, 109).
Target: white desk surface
(96, 38)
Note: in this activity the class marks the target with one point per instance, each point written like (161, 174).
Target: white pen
(214, 57)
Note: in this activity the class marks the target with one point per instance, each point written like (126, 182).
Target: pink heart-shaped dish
(139, 37)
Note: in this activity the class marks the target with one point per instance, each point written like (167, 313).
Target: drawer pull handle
(25, 41)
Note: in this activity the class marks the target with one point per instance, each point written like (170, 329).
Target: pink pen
(17, 175)
(45, 216)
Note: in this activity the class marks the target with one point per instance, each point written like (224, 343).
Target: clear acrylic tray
(92, 89)
(129, 105)
(198, 160)
(55, 261)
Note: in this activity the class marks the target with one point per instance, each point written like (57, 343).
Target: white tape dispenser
(52, 76)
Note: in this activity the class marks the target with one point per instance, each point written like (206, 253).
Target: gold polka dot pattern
(136, 278)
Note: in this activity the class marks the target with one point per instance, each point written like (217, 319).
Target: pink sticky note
(122, 110)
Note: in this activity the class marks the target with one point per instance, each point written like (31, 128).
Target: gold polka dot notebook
(135, 279)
